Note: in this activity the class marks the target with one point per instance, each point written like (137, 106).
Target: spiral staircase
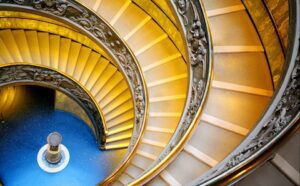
(239, 87)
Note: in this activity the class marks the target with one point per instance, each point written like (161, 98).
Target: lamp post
(53, 154)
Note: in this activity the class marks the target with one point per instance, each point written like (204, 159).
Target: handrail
(198, 44)
(281, 115)
(87, 22)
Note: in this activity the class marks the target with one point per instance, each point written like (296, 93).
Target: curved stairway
(241, 79)
(89, 68)
(164, 70)
(241, 88)
(241, 85)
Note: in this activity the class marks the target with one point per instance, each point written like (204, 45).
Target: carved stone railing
(37, 75)
(87, 22)
(195, 32)
(281, 115)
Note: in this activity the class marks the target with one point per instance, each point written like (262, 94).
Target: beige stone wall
(65, 103)
(268, 35)
(12, 100)
(279, 9)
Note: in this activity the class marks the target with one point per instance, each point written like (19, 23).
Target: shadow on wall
(67, 104)
(15, 99)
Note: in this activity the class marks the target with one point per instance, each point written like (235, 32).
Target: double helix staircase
(241, 88)
(241, 85)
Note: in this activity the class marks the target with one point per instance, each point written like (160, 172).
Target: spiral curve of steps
(91, 69)
(241, 84)
(236, 82)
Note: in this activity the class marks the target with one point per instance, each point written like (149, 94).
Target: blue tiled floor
(22, 137)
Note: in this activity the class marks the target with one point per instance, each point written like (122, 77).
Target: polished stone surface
(269, 38)
(280, 14)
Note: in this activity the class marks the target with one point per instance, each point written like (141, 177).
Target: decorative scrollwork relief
(182, 8)
(27, 74)
(197, 43)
